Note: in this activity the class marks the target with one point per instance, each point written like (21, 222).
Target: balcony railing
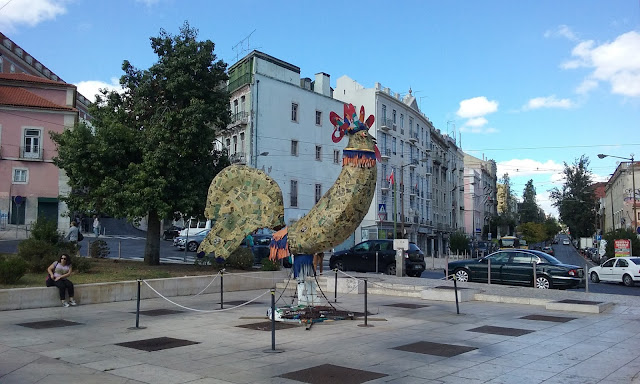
(413, 136)
(238, 158)
(239, 82)
(385, 124)
(31, 153)
(240, 118)
(414, 191)
(385, 153)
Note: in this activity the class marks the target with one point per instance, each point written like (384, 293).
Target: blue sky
(530, 84)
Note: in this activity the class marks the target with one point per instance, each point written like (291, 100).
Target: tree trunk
(152, 247)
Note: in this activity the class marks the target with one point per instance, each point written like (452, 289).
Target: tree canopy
(149, 148)
(530, 212)
(576, 200)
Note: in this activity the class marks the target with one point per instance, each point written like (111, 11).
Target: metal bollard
(222, 289)
(119, 249)
(366, 310)
(455, 288)
(376, 262)
(335, 287)
(273, 324)
(138, 309)
(535, 277)
(488, 271)
(586, 278)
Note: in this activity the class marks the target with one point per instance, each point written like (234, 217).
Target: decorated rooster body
(242, 199)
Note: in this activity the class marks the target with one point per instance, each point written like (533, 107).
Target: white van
(195, 226)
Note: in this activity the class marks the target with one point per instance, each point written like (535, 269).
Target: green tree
(551, 227)
(621, 233)
(576, 200)
(149, 151)
(529, 210)
(505, 223)
(458, 242)
(532, 232)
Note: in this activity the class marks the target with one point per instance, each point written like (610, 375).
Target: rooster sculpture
(242, 199)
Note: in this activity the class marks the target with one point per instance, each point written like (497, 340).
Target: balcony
(414, 191)
(413, 137)
(413, 163)
(385, 124)
(31, 153)
(427, 195)
(239, 119)
(238, 158)
(429, 170)
(385, 185)
(239, 82)
(385, 154)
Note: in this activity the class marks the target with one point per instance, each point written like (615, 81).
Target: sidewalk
(410, 341)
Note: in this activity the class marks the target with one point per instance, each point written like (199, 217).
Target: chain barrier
(203, 310)
(208, 285)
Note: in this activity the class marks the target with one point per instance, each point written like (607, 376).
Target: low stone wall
(24, 298)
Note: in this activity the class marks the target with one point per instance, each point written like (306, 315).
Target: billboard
(622, 247)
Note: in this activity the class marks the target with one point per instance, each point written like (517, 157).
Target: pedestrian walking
(96, 225)
(318, 260)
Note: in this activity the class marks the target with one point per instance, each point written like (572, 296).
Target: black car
(514, 267)
(260, 247)
(362, 258)
(171, 233)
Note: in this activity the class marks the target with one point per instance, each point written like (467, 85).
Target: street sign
(598, 237)
(18, 200)
(478, 230)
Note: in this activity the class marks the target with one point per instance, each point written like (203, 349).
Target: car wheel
(391, 269)
(627, 280)
(192, 246)
(542, 282)
(594, 277)
(461, 275)
(339, 265)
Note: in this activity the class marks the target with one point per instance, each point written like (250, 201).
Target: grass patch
(110, 270)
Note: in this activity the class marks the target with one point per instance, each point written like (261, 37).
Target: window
(31, 148)
(294, 193)
(20, 175)
(294, 148)
(235, 144)
(393, 145)
(336, 156)
(12, 69)
(1, 66)
(622, 263)
(401, 121)
(242, 100)
(242, 142)
(318, 153)
(394, 117)
(318, 192)
(401, 148)
(318, 118)
(609, 263)
(521, 258)
(235, 107)
(294, 112)
(384, 113)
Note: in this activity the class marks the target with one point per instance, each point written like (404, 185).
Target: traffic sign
(18, 200)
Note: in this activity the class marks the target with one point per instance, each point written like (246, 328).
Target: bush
(38, 254)
(81, 264)
(99, 249)
(46, 230)
(12, 269)
(268, 265)
(241, 258)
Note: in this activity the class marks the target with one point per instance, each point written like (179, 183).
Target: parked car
(171, 233)
(362, 258)
(514, 267)
(624, 270)
(548, 250)
(566, 242)
(192, 242)
(260, 248)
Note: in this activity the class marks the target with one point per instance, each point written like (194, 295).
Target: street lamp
(633, 186)
(256, 158)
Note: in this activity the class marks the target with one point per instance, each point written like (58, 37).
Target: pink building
(33, 102)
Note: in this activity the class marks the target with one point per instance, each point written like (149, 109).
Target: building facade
(485, 189)
(33, 102)
(280, 124)
(619, 198)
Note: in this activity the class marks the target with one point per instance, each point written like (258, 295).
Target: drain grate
(235, 303)
(329, 373)
(157, 344)
(435, 349)
(407, 305)
(586, 302)
(266, 326)
(503, 331)
(49, 324)
(159, 312)
(555, 319)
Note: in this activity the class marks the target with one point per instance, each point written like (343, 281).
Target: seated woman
(58, 272)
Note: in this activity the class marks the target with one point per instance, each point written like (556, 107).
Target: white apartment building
(481, 175)
(280, 124)
(619, 198)
(403, 134)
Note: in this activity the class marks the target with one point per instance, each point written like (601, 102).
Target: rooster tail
(279, 248)
(240, 200)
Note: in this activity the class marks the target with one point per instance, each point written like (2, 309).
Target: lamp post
(633, 186)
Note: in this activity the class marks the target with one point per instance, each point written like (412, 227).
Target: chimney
(322, 84)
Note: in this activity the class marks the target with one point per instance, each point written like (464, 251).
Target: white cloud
(471, 129)
(548, 102)
(29, 13)
(586, 86)
(543, 198)
(476, 122)
(90, 88)
(476, 107)
(616, 63)
(528, 167)
(562, 31)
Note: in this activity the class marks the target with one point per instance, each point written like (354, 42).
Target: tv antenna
(243, 46)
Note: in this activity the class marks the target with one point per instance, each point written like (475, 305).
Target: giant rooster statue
(242, 199)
